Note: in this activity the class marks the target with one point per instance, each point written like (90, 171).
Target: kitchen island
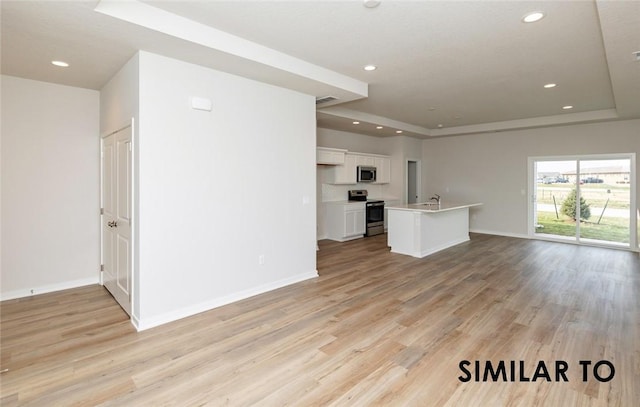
(419, 230)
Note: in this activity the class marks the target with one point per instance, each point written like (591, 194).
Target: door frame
(133, 214)
(418, 179)
(633, 204)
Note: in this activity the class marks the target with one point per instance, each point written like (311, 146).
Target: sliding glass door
(585, 199)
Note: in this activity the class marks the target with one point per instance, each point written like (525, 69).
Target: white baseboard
(498, 233)
(147, 323)
(549, 239)
(43, 289)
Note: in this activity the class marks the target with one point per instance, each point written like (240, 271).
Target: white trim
(49, 288)
(586, 243)
(143, 324)
(134, 218)
(100, 214)
(529, 123)
(550, 239)
(635, 239)
(531, 195)
(578, 209)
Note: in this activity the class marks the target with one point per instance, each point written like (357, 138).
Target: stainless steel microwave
(366, 174)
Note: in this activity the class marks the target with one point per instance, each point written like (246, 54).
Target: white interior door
(116, 219)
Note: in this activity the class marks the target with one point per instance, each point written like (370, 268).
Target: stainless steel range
(374, 218)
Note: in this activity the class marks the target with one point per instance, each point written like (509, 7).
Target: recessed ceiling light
(567, 107)
(399, 131)
(379, 127)
(550, 85)
(370, 68)
(440, 126)
(60, 63)
(532, 17)
(356, 122)
(431, 109)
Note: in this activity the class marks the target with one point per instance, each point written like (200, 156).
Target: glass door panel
(555, 189)
(605, 187)
(595, 191)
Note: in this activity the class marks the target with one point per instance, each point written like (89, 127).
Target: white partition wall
(226, 197)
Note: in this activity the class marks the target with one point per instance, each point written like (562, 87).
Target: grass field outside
(610, 229)
(615, 196)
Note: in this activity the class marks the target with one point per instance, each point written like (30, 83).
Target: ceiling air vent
(325, 99)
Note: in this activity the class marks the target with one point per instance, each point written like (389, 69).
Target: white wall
(492, 168)
(219, 189)
(353, 141)
(50, 194)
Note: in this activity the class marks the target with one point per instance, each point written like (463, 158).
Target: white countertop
(430, 207)
(343, 202)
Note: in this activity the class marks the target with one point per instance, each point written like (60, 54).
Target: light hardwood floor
(375, 328)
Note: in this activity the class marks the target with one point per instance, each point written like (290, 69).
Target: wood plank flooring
(375, 328)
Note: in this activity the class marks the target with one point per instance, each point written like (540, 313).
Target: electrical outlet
(261, 259)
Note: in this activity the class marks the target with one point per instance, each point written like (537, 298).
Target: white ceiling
(469, 66)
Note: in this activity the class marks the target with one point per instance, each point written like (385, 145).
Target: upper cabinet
(330, 156)
(346, 172)
(365, 160)
(383, 170)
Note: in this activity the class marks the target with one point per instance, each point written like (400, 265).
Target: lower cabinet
(345, 221)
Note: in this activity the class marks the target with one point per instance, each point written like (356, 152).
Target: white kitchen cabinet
(330, 156)
(387, 204)
(345, 221)
(365, 160)
(345, 173)
(383, 173)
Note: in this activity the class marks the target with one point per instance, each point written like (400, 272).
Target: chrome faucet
(436, 198)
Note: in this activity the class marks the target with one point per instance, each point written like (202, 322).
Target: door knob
(112, 224)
